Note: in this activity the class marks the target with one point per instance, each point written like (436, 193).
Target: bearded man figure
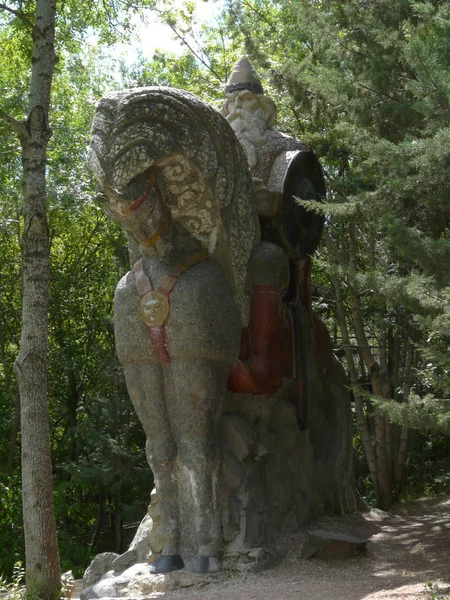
(284, 171)
(282, 167)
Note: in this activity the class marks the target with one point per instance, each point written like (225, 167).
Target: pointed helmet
(244, 77)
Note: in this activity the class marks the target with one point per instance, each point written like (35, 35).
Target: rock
(138, 550)
(232, 555)
(379, 512)
(230, 518)
(329, 545)
(244, 560)
(138, 581)
(98, 567)
(231, 472)
(237, 435)
(290, 439)
(155, 539)
(67, 585)
(257, 553)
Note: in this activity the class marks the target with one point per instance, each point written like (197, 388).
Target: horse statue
(201, 312)
(171, 172)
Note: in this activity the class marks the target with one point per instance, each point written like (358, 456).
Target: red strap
(158, 338)
(158, 335)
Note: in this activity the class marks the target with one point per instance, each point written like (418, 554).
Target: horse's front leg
(145, 383)
(195, 391)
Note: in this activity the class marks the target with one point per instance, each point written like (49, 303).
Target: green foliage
(427, 466)
(15, 588)
(422, 413)
(89, 255)
(11, 531)
(437, 590)
(183, 72)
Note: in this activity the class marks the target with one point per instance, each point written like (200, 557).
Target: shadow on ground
(408, 558)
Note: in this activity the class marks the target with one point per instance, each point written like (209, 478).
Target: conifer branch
(341, 313)
(261, 16)
(427, 73)
(375, 92)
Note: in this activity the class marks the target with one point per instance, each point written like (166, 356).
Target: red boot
(262, 362)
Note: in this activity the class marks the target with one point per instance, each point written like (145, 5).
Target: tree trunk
(379, 387)
(358, 322)
(383, 434)
(98, 527)
(118, 521)
(361, 421)
(41, 550)
(404, 438)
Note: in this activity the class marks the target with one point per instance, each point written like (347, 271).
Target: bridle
(152, 184)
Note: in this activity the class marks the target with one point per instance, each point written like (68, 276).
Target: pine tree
(367, 85)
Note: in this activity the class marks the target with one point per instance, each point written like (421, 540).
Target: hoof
(165, 563)
(203, 564)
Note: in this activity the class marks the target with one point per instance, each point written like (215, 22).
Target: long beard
(250, 131)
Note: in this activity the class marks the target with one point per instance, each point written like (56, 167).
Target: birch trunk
(41, 550)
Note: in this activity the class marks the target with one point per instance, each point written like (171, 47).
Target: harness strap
(154, 305)
(151, 183)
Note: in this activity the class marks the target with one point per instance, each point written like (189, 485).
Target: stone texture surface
(330, 545)
(139, 581)
(139, 548)
(101, 564)
(173, 174)
(68, 585)
(275, 477)
(205, 173)
(283, 169)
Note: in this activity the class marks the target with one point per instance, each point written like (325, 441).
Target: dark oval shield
(298, 230)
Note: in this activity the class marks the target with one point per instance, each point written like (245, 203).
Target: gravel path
(408, 558)
(407, 551)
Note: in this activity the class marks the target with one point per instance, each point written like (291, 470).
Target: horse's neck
(171, 250)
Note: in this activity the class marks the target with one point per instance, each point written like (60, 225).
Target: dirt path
(406, 550)
(408, 558)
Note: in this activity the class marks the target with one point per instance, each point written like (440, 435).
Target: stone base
(329, 545)
(138, 581)
(274, 478)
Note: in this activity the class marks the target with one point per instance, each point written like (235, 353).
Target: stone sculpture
(173, 175)
(283, 171)
(207, 308)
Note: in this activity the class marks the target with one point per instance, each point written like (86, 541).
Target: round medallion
(154, 309)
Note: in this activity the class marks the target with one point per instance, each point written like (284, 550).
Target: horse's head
(164, 157)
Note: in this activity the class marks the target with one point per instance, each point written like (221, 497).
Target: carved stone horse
(172, 173)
